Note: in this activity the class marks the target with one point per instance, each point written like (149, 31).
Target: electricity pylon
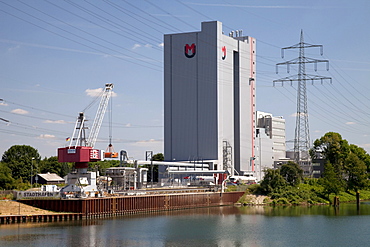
(302, 135)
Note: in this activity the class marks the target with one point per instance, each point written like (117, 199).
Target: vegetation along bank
(346, 172)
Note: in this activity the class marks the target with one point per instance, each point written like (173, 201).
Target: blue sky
(54, 55)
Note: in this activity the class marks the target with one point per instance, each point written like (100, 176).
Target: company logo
(190, 50)
(94, 154)
(223, 49)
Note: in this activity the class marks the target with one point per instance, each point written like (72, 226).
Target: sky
(55, 56)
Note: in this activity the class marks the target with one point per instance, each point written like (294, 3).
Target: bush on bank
(309, 192)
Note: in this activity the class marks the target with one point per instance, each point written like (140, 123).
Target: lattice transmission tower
(302, 135)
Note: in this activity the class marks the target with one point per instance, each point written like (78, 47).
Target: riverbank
(249, 199)
(8, 207)
(299, 198)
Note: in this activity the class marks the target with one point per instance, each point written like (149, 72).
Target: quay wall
(6, 219)
(110, 206)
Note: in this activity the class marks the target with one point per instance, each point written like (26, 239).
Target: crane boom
(100, 115)
(78, 136)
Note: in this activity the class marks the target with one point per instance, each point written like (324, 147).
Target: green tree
(356, 172)
(6, 180)
(22, 160)
(332, 182)
(272, 182)
(349, 162)
(52, 165)
(292, 173)
(158, 157)
(362, 155)
(333, 149)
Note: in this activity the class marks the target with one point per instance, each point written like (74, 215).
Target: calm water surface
(220, 226)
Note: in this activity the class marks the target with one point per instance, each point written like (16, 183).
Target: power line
(75, 41)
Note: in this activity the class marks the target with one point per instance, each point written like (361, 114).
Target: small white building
(48, 178)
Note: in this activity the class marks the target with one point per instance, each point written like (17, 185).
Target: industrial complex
(213, 134)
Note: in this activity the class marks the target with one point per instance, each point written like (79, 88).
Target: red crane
(81, 149)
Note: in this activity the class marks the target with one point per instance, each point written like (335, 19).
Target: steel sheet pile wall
(56, 205)
(6, 219)
(99, 207)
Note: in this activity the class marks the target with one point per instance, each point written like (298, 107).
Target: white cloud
(97, 92)
(128, 125)
(161, 44)
(55, 121)
(3, 104)
(46, 136)
(136, 46)
(20, 111)
(11, 49)
(94, 92)
(350, 123)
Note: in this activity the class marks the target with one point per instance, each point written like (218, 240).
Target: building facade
(209, 98)
(270, 143)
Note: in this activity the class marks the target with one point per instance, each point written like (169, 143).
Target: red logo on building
(223, 49)
(190, 50)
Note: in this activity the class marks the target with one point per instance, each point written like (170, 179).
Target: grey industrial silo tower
(209, 98)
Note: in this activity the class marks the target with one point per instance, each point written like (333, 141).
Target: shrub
(231, 188)
(7, 197)
(281, 201)
(254, 189)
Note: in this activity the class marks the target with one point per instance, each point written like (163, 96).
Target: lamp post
(149, 155)
(32, 170)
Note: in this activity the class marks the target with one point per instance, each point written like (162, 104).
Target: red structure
(80, 155)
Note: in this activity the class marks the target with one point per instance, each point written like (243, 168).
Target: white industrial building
(270, 143)
(209, 98)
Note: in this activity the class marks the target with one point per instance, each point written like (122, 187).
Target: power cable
(75, 41)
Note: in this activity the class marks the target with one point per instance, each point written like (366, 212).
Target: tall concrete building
(209, 98)
(270, 143)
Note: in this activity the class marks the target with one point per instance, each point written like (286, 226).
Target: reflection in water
(345, 209)
(216, 226)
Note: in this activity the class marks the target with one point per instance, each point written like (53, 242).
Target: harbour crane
(81, 149)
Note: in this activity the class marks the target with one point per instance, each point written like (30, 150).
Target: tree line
(346, 170)
(21, 162)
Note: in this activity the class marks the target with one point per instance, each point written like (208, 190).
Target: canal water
(347, 225)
